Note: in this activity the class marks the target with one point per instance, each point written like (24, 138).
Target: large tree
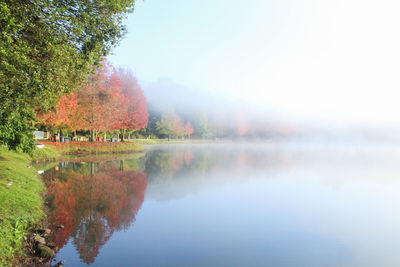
(47, 48)
(132, 114)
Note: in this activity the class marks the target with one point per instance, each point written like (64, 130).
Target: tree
(177, 126)
(164, 126)
(47, 47)
(189, 130)
(113, 100)
(204, 128)
(110, 100)
(170, 125)
(133, 114)
(65, 115)
(96, 102)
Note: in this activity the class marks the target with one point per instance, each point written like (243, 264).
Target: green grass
(84, 148)
(44, 154)
(20, 203)
(53, 150)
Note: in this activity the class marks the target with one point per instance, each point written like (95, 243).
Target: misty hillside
(165, 95)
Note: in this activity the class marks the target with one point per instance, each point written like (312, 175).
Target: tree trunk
(123, 134)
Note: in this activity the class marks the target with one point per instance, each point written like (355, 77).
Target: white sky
(329, 60)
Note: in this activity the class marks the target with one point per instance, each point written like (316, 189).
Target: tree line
(111, 100)
(52, 75)
(47, 50)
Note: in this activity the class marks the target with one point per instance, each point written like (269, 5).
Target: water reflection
(89, 201)
(229, 205)
(175, 171)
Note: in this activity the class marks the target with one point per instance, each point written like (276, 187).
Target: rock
(44, 232)
(39, 145)
(45, 252)
(38, 239)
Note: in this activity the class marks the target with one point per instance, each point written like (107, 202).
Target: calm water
(229, 205)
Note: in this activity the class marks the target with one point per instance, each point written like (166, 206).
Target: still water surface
(229, 205)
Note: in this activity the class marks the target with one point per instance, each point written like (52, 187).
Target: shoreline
(22, 192)
(56, 150)
(21, 205)
(22, 208)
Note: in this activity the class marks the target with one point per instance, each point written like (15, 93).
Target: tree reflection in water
(92, 201)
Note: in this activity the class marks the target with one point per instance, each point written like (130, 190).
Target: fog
(306, 65)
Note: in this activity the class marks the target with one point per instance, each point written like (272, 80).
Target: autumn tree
(189, 130)
(112, 100)
(96, 102)
(65, 115)
(133, 114)
(177, 126)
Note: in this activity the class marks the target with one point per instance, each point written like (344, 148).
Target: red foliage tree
(132, 111)
(189, 130)
(177, 126)
(97, 101)
(110, 100)
(64, 114)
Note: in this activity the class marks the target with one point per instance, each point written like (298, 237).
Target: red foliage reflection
(91, 208)
(188, 157)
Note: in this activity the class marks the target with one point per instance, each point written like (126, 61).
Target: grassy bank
(20, 202)
(53, 150)
(21, 187)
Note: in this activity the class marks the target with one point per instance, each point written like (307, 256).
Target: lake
(229, 204)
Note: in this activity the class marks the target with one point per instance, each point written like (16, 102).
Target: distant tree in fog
(170, 125)
(189, 130)
(203, 126)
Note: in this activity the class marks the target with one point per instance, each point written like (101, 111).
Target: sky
(319, 60)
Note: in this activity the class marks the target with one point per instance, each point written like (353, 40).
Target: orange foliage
(91, 208)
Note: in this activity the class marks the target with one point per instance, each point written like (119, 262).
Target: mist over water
(232, 204)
